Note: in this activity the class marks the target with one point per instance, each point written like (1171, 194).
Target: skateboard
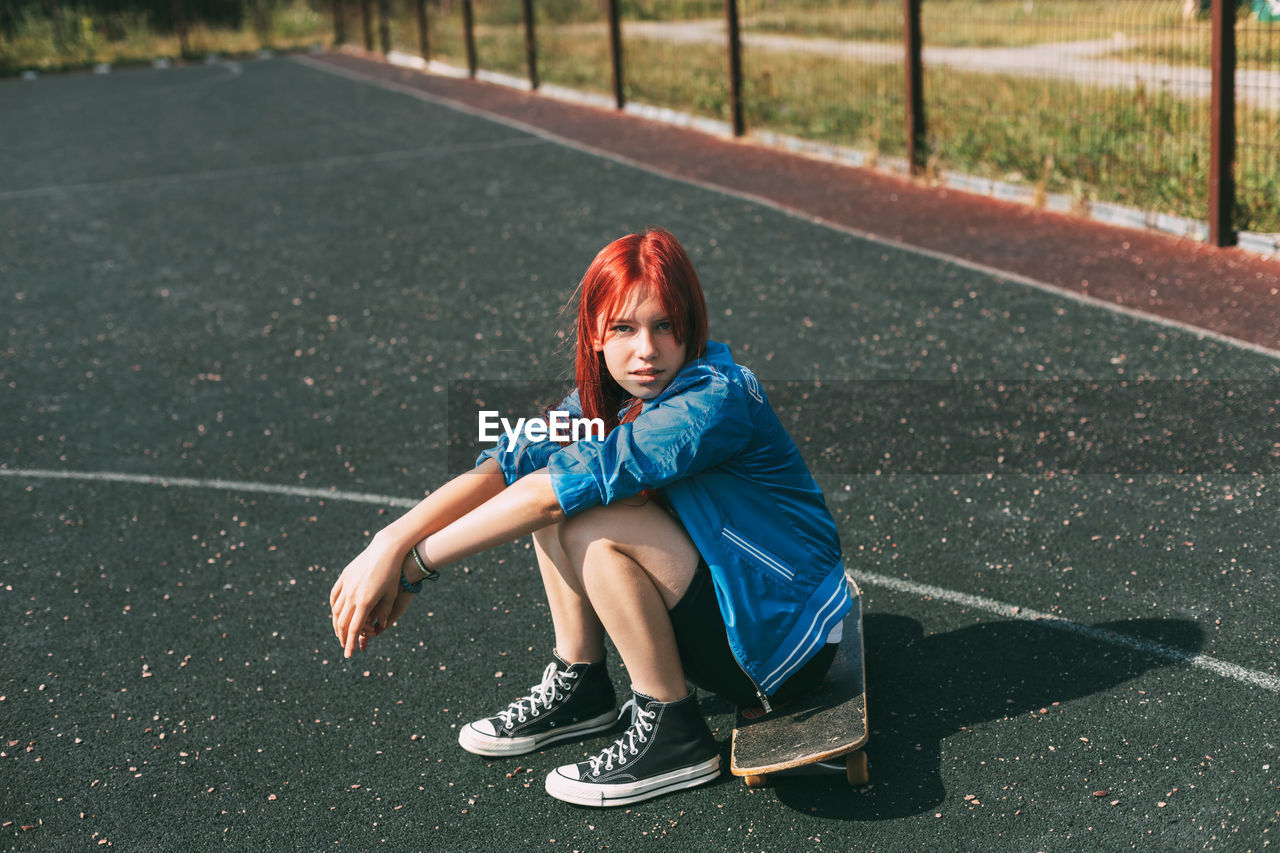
(821, 732)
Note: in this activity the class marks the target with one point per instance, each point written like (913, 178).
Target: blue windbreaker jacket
(726, 466)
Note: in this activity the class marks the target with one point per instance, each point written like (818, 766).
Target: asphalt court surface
(268, 275)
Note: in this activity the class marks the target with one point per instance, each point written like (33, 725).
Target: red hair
(656, 262)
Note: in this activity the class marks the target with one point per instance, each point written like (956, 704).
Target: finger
(387, 617)
(335, 615)
(337, 599)
(353, 629)
(381, 615)
(396, 609)
(343, 620)
(402, 604)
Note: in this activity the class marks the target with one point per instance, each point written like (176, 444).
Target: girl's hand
(367, 599)
(371, 630)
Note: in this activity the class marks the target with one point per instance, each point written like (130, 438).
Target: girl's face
(640, 347)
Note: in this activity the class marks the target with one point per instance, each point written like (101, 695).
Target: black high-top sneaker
(667, 748)
(570, 702)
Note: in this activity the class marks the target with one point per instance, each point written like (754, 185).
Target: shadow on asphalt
(923, 689)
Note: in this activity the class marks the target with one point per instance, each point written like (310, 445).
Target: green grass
(1145, 150)
(81, 40)
(1257, 46)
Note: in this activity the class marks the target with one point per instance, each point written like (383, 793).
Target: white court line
(220, 485)
(989, 605)
(1049, 620)
(271, 168)
(993, 272)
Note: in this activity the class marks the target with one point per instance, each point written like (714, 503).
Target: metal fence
(1258, 117)
(1166, 106)
(1065, 102)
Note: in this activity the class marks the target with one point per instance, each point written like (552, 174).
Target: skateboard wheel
(855, 768)
(756, 781)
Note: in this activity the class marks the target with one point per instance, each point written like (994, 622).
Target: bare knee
(579, 535)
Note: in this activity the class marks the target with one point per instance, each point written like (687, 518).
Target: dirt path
(1084, 61)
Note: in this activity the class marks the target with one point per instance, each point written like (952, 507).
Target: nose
(646, 344)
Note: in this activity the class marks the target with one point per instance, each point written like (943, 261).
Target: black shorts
(709, 662)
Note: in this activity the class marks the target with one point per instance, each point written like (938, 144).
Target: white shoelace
(641, 725)
(540, 696)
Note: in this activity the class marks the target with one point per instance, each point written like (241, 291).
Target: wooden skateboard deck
(822, 730)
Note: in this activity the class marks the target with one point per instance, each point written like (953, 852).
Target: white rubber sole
(585, 793)
(479, 743)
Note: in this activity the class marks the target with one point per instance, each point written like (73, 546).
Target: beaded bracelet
(411, 588)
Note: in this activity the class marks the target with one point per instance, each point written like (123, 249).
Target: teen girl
(692, 534)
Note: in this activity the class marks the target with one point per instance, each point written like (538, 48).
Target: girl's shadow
(922, 689)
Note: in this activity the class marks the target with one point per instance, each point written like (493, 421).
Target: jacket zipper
(740, 543)
(764, 700)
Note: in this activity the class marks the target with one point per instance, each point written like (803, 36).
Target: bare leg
(579, 634)
(631, 564)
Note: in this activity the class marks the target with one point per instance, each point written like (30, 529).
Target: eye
(620, 328)
(664, 326)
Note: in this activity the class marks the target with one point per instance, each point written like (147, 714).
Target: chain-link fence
(1076, 100)
(1258, 117)
(1083, 100)
(826, 70)
(1071, 97)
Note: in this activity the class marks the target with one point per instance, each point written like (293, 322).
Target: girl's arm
(471, 513)
(445, 505)
(526, 505)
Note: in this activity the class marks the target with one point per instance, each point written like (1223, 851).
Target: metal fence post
(384, 25)
(339, 22)
(180, 22)
(530, 42)
(917, 149)
(59, 30)
(1222, 139)
(615, 50)
(424, 45)
(366, 17)
(469, 33)
(735, 67)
